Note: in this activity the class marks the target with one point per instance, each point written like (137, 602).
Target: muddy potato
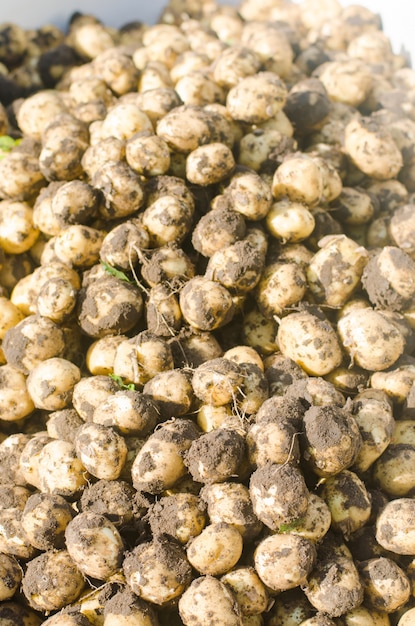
(279, 495)
(101, 354)
(13, 540)
(380, 158)
(163, 313)
(209, 164)
(216, 549)
(90, 391)
(394, 526)
(217, 229)
(393, 471)
(147, 154)
(101, 450)
(284, 561)
(51, 383)
(396, 382)
(281, 286)
(348, 500)
(171, 392)
(122, 189)
(272, 442)
(157, 571)
(17, 230)
(168, 220)
(159, 463)
(13, 385)
(217, 381)
(31, 341)
(207, 600)
(44, 520)
(38, 110)
(386, 585)
(125, 608)
(389, 279)
(130, 412)
(94, 544)
(29, 458)
(11, 448)
(251, 594)
(10, 576)
(332, 439)
(308, 339)
(122, 245)
(360, 332)
(372, 412)
(244, 104)
(60, 470)
(205, 304)
(142, 357)
(180, 515)
(233, 64)
(402, 228)
(215, 456)
(230, 503)
(335, 270)
(56, 300)
(115, 499)
(300, 179)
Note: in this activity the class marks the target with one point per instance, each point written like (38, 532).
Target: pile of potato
(207, 320)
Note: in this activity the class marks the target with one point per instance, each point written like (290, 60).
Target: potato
(215, 456)
(29, 458)
(230, 503)
(12, 613)
(348, 500)
(94, 544)
(180, 515)
(251, 594)
(281, 286)
(332, 439)
(393, 471)
(44, 520)
(142, 357)
(389, 277)
(217, 381)
(131, 412)
(205, 304)
(385, 584)
(10, 576)
(217, 229)
(207, 600)
(101, 450)
(279, 495)
(289, 221)
(284, 561)
(171, 393)
(12, 385)
(51, 383)
(60, 470)
(157, 571)
(394, 526)
(124, 608)
(243, 103)
(90, 391)
(216, 549)
(308, 339)
(359, 330)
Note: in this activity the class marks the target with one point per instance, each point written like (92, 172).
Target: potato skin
(208, 602)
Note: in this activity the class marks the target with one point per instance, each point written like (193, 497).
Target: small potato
(38, 110)
(163, 313)
(244, 104)
(289, 221)
(101, 450)
(362, 616)
(10, 577)
(215, 456)
(51, 383)
(131, 412)
(209, 164)
(159, 463)
(60, 470)
(125, 609)
(121, 187)
(12, 613)
(206, 601)
(281, 286)
(94, 544)
(300, 179)
(13, 540)
(217, 381)
(15, 399)
(17, 231)
(216, 549)
(171, 393)
(372, 148)
(56, 300)
(11, 448)
(101, 354)
(394, 471)
(347, 81)
(51, 581)
(89, 392)
(142, 357)
(205, 304)
(389, 279)
(79, 245)
(168, 220)
(250, 592)
(279, 495)
(180, 515)
(395, 527)
(284, 561)
(316, 521)
(29, 458)
(372, 341)
(402, 228)
(147, 154)
(217, 229)
(407, 617)
(249, 195)
(335, 270)
(44, 520)
(332, 439)
(308, 339)
(386, 585)
(348, 500)
(230, 502)
(115, 499)
(259, 332)
(157, 571)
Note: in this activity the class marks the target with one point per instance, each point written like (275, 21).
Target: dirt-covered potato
(15, 399)
(385, 584)
(216, 550)
(51, 581)
(281, 286)
(115, 499)
(393, 470)
(208, 601)
(206, 304)
(101, 450)
(215, 456)
(218, 228)
(308, 338)
(94, 544)
(256, 98)
(394, 526)
(60, 470)
(179, 515)
(289, 221)
(230, 503)
(125, 608)
(284, 561)
(389, 279)
(90, 391)
(130, 412)
(44, 520)
(159, 463)
(51, 383)
(157, 571)
(348, 500)
(402, 228)
(279, 495)
(332, 439)
(172, 393)
(251, 594)
(372, 341)
(272, 441)
(139, 359)
(10, 576)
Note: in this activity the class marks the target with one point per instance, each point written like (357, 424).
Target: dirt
(381, 292)
(112, 498)
(215, 456)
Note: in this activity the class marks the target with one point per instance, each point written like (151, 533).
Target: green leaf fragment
(286, 528)
(114, 272)
(120, 382)
(7, 144)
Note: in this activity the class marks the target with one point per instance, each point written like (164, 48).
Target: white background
(398, 15)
